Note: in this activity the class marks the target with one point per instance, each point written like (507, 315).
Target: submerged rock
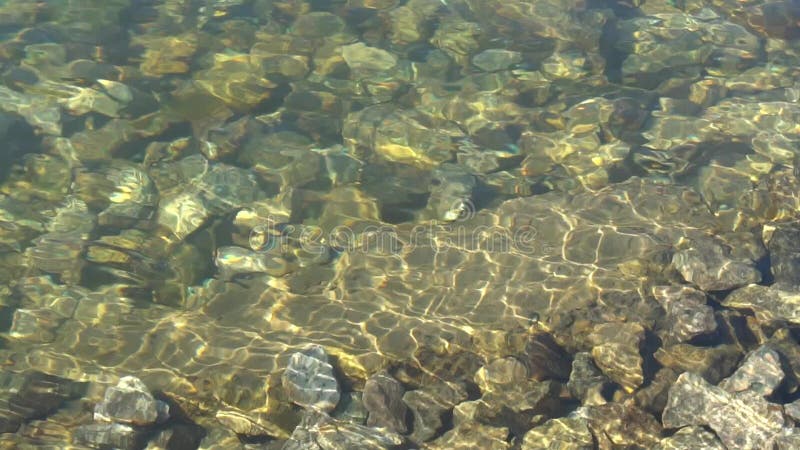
(586, 382)
(761, 373)
(318, 431)
(429, 406)
(617, 352)
(710, 266)
(784, 254)
(383, 398)
(565, 433)
(769, 303)
(112, 435)
(691, 438)
(130, 403)
(29, 395)
(688, 315)
(743, 420)
(309, 380)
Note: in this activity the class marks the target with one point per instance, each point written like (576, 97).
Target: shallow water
(191, 191)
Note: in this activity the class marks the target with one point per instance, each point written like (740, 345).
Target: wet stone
(793, 410)
(743, 420)
(471, 435)
(232, 261)
(29, 395)
(503, 371)
(129, 402)
(617, 352)
(712, 363)
(429, 404)
(364, 60)
(761, 372)
(769, 303)
(710, 266)
(688, 315)
(617, 425)
(309, 380)
(562, 433)
(495, 59)
(784, 253)
(587, 382)
(383, 398)
(451, 193)
(112, 435)
(318, 25)
(351, 408)
(318, 431)
(691, 438)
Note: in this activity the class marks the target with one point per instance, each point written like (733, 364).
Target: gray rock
(363, 59)
(318, 431)
(112, 435)
(793, 410)
(688, 315)
(129, 402)
(789, 440)
(709, 266)
(309, 381)
(383, 398)
(770, 304)
(761, 372)
(500, 372)
(451, 193)
(616, 352)
(27, 395)
(587, 382)
(351, 408)
(784, 254)
(712, 363)
(471, 435)
(742, 420)
(429, 405)
(495, 59)
(691, 438)
(563, 432)
(616, 425)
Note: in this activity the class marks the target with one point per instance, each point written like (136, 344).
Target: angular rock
(784, 254)
(309, 380)
(503, 371)
(616, 352)
(112, 435)
(688, 315)
(743, 420)
(793, 410)
(560, 433)
(761, 373)
(494, 59)
(691, 438)
(28, 395)
(471, 435)
(383, 398)
(351, 408)
(769, 303)
(712, 363)
(318, 431)
(710, 266)
(130, 402)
